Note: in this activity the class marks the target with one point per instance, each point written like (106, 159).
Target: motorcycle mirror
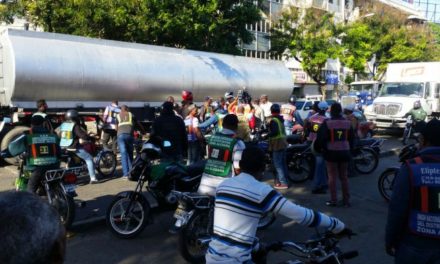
(166, 144)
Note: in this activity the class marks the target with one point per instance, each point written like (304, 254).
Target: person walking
(195, 138)
(125, 122)
(265, 106)
(335, 140)
(413, 225)
(278, 145)
(109, 129)
(168, 126)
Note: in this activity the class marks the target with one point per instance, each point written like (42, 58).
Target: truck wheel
(10, 136)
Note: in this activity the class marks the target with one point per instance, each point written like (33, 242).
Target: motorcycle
(57, 187)
(366, 155)
(321, 249)
(194, 222)
(104, 161)
(131, 211)
(386, 179)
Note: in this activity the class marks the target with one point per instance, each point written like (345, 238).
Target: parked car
(304, 105)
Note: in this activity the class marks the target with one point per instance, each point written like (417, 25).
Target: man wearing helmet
(74, 136)
(278, 145)
(290, 115)
(417, 113)
(187, 100)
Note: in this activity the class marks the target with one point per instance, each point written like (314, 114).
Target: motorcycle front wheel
(106, 164)
(64, 204)
(127, 216)
(191, 245)
(386, 182)
(366, 161)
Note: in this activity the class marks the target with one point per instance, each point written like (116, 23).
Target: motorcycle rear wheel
(127, 217)
(366, 161)
(65, 206)
(386, 182)
(199, 226)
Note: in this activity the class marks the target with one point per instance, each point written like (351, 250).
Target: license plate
(70, 187)
(179, 213)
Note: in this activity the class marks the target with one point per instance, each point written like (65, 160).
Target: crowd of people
(234, 167)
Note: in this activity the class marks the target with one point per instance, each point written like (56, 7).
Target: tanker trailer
(87, 74)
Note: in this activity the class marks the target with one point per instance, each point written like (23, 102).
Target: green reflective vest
(220, 154)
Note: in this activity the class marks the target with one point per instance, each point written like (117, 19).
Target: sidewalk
(99, 196)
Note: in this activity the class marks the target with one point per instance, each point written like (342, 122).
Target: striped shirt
(240, 203)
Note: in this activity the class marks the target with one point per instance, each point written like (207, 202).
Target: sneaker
(124, 177)
(280, 186)
(94, 181)
(331, 203)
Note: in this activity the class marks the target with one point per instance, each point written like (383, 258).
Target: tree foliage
(210, 25)
(309, 40)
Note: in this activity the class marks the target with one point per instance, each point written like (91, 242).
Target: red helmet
(187, 95)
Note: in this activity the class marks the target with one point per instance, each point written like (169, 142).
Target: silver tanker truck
(86, 74)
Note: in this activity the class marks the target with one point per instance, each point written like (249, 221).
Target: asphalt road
(94, 243)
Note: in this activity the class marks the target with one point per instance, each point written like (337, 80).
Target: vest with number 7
(220, 151)
(338, 134)
(424, 214)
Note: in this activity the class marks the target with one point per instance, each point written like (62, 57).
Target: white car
(304, 106)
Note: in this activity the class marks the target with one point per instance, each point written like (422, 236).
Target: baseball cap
(323, 105)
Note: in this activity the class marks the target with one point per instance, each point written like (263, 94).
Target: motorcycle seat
(294, 139)
(196, 168)
(298, 147)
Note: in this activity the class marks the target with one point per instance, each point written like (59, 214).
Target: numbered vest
(287, 111)
(113, 112)
(424, 214)
(316, 121)
(67, 134)
(128, 120)
(42, 149)
(338, 130)
(220, 150)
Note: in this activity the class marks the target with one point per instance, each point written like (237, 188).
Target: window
(427, 90)
(308, 106)
(437, 91)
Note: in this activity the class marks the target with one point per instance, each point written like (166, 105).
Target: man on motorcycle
(74, 137)
(41, 148)
(224, 154)
(413, 230)
(240, 203)
(417, 113)
(290, 115)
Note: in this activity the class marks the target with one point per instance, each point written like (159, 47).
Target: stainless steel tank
(69, 70)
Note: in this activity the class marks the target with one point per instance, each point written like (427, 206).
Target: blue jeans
(125, 144)
(194, 152)
(280, 164)
(288, 127)
(407, 254)
(84, 155)
(320, 175)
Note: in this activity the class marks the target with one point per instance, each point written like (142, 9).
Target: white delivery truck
(404, 84)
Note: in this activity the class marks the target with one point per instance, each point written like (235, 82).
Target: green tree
(309, 40)
(210, 25)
